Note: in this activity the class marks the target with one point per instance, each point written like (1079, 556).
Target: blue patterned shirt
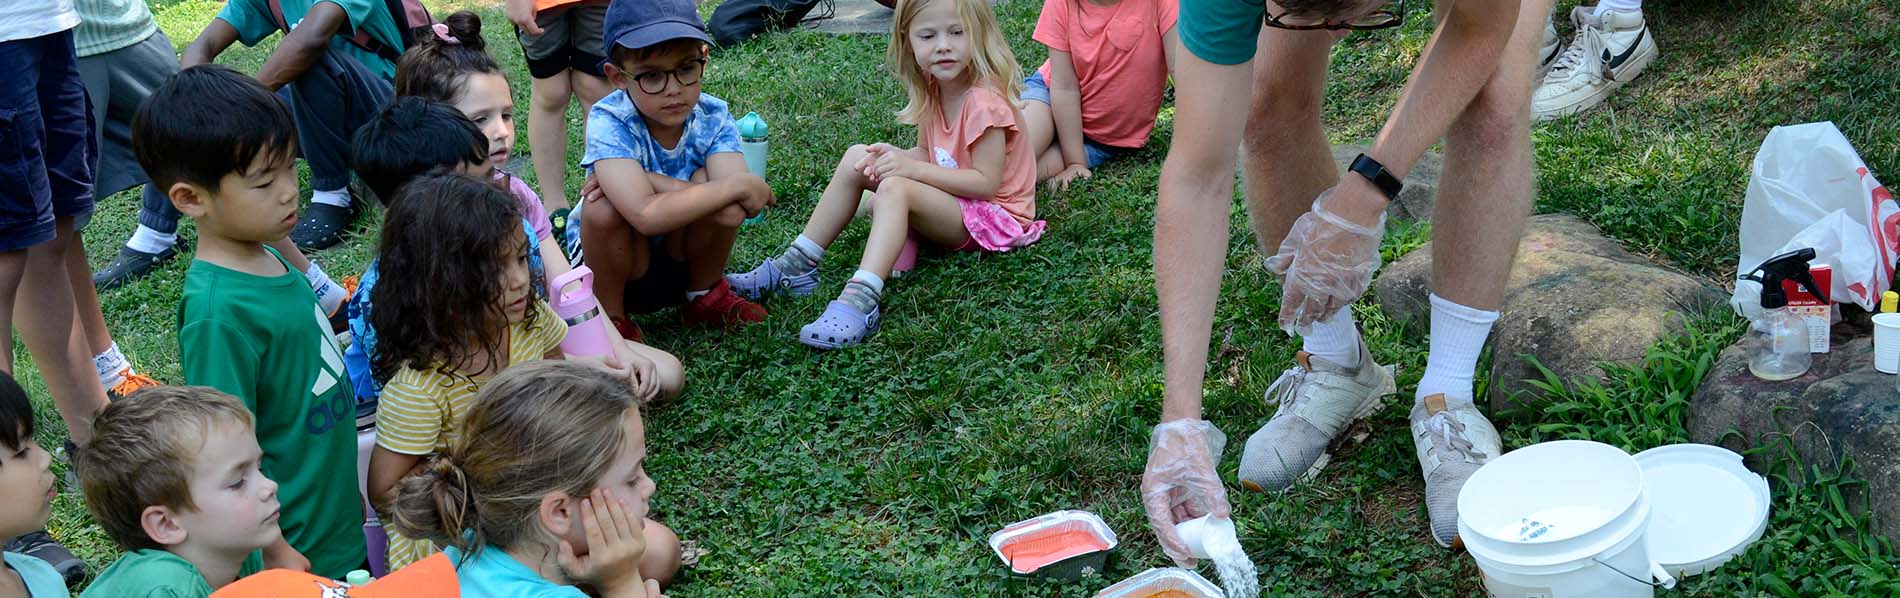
(615, 129)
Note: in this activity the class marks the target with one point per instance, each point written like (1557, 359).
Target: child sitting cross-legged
(173, 475)
(457, 303)
(545, 490)
(666, 156)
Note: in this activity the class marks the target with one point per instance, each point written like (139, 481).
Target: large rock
(1421, 184)
(1575, 299)
(1842, 408)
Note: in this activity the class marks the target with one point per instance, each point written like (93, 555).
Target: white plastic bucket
(1558, 519)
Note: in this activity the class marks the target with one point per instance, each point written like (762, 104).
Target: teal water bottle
(752, 144)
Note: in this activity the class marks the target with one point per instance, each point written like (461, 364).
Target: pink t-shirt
(530, 204)
(1120, 62)
(949, 143)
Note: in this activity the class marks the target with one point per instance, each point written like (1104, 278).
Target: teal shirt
(264, 340)
(42, 581)
(148, 573)
(253, 22)
(491, 572)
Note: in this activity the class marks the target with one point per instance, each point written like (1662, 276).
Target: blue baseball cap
(635, 24)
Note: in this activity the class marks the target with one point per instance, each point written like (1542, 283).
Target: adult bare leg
(1285, 160)
(44, 314)
(547, 137)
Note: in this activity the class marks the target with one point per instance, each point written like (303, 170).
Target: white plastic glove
(1180, 483)
(1325, 263)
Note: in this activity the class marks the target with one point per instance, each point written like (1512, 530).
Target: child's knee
(662, 559)
(730, 216)
(672, 375)
(852, 155)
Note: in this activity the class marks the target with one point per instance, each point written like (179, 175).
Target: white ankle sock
(112, 366)
(1618, 5)
(1335, 340)
(1457, 339)
(148, 240)
(338, 197)
(693, 295)
(330, 295)
(863, 291)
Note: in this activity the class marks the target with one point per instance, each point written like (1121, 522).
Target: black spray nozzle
(1793, 266)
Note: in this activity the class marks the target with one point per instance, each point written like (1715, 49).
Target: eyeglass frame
(673, 74)
(1397, 19)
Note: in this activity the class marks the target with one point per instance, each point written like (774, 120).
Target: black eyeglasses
(1379, 19)
(687, 75)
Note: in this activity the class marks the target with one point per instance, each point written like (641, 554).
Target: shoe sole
(1635, 67)
(1371, 405)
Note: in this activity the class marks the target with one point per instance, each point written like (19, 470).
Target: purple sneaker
(840, 326)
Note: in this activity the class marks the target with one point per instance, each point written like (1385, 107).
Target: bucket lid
(1706, 507)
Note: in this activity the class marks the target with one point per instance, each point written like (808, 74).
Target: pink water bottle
(573, 295)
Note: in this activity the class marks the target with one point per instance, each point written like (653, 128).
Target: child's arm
(303, 46)
(1065, 100)
(981, 179)
(631, 194)
(387, 468)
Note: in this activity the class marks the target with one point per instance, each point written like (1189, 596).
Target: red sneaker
(721, 307)
(628, 330)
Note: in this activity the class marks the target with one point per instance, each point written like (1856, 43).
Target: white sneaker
(1318, 400)
(1547, 52)
(1608, 51)
(1452, 442)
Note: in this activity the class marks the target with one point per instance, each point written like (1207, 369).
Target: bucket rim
(1621, 507)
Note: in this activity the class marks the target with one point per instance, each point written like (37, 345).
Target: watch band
(1376, 173)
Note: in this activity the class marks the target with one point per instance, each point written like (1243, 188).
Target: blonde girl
(968, 184)
(546, 491)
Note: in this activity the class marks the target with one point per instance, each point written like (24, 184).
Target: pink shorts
(994, 229)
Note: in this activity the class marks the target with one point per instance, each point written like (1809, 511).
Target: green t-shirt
(252, 19)
(148, 573)
(264, 340)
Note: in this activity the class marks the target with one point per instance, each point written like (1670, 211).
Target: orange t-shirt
(948, 143)
(1121, 63)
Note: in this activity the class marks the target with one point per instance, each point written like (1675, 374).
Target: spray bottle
(573, 298)
(1778, 340)
(752, 143)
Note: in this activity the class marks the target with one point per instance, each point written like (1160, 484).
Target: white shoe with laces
(1547, 51)
(1317, 401)
(1608, 51)
(1453, 441)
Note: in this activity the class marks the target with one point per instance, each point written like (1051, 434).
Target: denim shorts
(1035, 89)
(46, 143)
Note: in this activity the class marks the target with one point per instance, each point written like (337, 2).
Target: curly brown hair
(440, 262)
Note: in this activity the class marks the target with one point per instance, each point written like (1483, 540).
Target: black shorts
(572, 38)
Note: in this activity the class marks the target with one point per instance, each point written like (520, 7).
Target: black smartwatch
(1376, 174)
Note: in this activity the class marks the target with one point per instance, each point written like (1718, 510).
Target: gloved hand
(1325, 263)
(1180, 483)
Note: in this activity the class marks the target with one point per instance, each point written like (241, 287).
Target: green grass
(1003, 387)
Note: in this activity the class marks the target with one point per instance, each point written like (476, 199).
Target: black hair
(16, 414)
(208, 121)
(439, 266)
(436, 69)
(410, 137)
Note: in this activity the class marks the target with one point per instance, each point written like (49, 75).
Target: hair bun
(466, 27)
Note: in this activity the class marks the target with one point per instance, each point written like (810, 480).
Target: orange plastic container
(1061, 545)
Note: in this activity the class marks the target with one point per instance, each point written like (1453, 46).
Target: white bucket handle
(1656, 571)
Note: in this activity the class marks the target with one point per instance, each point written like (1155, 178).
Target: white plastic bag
(1809, 188)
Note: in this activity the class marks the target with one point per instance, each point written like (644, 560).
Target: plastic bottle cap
(1889, 302)
(358, 577)
(752, 126)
